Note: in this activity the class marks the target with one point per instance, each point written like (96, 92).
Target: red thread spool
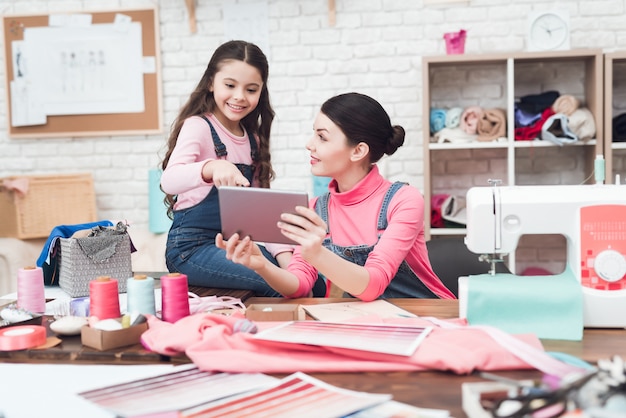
(174, 297)
(30, 290)
(104, 298)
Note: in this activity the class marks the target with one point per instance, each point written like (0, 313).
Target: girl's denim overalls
(191, 246)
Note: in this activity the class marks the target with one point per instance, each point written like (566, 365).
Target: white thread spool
(140, 294)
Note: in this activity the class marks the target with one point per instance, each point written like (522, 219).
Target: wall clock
(548, 31)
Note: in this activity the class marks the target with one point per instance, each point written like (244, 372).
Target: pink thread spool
(455, 42)
(174, 297)
(30, 290)
(104, 298)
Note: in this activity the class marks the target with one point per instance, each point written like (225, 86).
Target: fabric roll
(556, 129)
(454, 135)
(537, 103)
(492, 125)
(619, 128)
(566, 104)
(582, 124)
(437, 119)
(453, 117)
(470, 118)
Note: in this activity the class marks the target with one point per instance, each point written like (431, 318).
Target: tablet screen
(254, 212)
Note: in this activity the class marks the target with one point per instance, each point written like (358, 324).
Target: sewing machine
(592, 218)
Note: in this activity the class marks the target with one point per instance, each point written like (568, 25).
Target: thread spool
(174, 297)
(599, 169)
(104, 298)
(30, 290)
(140, 293)
(22, 337)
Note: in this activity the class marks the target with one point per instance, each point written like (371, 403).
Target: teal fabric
(550, 307)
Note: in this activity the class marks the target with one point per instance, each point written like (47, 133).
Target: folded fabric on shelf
(555, 129)
(437, 119)
(492, 125)
(470, 118)
(537, 103)
(529, 133)
(582, 124)
(566, 104)
(454, 135)
(453, 117)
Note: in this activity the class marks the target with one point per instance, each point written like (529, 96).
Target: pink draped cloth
(212, 343)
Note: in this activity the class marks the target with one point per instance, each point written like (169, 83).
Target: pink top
(194, 148)
(352, 218)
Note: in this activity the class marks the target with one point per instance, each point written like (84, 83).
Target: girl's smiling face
(236, 89)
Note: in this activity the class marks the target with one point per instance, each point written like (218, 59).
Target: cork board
(148, 121)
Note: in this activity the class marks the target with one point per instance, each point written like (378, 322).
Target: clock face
(548, 31)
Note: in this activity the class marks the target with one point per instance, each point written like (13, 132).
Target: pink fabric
(353, 217)
(209, 341)
(470, 118)
(19, 185)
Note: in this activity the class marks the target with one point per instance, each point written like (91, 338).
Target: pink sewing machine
(592, 218)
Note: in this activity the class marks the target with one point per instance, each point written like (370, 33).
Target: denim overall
(405, 283)
(191, 246)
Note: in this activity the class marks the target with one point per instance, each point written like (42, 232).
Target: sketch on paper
(93, 69)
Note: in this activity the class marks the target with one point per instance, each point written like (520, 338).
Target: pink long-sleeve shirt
(194, 148)
(352, 218)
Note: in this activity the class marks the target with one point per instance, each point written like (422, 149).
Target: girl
(220, 137)
(367, 234)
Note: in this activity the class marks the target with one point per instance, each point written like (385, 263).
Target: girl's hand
(306, 228)
(241, 251)
(223, 173)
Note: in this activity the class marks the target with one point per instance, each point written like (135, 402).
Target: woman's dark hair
(363, 119)
(201, 101)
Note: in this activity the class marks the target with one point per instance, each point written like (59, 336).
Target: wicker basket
(76, 269)
(50, 201)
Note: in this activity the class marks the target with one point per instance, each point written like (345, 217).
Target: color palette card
(378, 338)
(297, 395)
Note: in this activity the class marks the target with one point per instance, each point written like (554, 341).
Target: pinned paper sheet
(551, 307)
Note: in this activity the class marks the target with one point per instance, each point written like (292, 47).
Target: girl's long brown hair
(201, 101)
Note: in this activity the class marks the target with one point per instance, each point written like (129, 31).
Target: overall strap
(382, 215)
(220, 148)
(321, 208)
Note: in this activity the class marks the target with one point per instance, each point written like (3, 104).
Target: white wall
(375, 48)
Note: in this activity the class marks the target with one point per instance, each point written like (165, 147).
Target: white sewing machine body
(592, 218)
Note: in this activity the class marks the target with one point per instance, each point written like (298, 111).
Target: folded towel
(565, 104)
(469, 119)
(453, 117)
(492, 125)
(582, 124)
(531, 132)
(454, 135)
(437, 120)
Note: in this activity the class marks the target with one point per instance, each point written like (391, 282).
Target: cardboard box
(275, 312)
(107, 340)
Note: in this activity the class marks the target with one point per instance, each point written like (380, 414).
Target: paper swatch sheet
(343, 311)
(378, 338)
(183, 388)
(297, 395)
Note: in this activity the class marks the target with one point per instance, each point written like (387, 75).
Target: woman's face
(236, 89)
(330, 152)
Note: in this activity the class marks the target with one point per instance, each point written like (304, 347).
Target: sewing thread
(30, 290)
(174, 297)
(140, 294)
(104, 298)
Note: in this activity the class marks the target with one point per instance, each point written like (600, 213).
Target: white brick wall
(375, 48)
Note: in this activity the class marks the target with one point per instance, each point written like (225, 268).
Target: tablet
(254, 211)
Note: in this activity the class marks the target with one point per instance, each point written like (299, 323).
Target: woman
(367, 234)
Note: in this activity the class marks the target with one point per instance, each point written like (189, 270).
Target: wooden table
(424, 389)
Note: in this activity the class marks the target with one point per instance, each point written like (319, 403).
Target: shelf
(517, 144)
